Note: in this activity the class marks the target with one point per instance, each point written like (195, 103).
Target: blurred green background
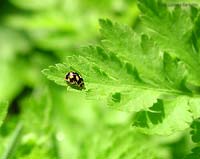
(59, 124)
(35, 34)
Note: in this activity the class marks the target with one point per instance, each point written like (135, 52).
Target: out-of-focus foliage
(63, 24)
(3, 111)
(141, 75)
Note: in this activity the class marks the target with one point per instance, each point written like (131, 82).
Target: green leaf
(105, 83)
(57, 73)
(155, 115)
(165, 117)
(131, 73)
(153, 66)
(175, 31)
(194, 107)
(195, 126)
(195, 154)
(195, 130)
(3, 111)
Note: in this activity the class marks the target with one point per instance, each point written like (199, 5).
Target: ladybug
(75, 80)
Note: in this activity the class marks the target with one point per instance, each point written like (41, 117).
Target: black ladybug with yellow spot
(75, 80)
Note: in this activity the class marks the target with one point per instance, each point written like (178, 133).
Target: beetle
(74, 80)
